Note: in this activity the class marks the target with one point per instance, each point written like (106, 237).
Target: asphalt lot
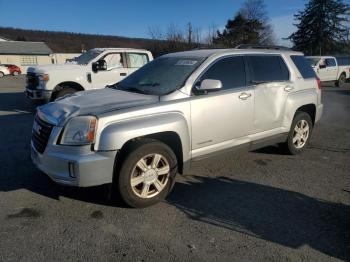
(249, 206)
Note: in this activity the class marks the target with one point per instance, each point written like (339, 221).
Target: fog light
(71, 169)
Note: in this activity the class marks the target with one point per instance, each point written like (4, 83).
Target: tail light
(318, 83)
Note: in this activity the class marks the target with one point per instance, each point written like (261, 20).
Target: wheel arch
(170, 138)
(170, 128)
(62, 85)
(309, 109)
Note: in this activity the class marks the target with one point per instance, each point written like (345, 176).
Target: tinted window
(330, 62)
(230, 71)
(303, 66)
(268, 68)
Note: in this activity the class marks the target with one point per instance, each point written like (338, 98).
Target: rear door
(269, 76)
(136, 60)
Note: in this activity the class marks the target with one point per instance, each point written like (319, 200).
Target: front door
(116, 71)
(331, 69)
(221, 116)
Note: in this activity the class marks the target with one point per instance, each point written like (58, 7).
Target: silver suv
(182, 107)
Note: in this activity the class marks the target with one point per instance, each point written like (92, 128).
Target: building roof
(24, 48)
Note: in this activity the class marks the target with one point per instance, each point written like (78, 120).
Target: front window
(87, 57)
(161, 76)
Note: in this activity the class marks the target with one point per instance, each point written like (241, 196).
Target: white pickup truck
(94, 69)
(331, 69)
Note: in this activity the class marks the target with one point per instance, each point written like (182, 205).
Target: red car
(14, 70)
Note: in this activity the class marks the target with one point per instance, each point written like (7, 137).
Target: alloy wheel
(301, 134)
(150, 175)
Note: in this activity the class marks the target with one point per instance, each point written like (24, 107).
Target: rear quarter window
(303, 66)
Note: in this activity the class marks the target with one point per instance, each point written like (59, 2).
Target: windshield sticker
(186, 62)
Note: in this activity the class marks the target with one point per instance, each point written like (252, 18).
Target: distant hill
(65, 42)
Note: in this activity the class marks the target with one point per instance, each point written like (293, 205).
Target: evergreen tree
(239, 31)
(322, 27)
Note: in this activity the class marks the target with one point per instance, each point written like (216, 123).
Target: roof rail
(273, 47)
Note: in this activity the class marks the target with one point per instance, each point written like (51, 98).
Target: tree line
(322, 27)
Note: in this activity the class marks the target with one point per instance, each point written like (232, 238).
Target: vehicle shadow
(280, 216)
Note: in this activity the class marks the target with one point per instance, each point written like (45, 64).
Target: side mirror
(100, 65)
(209, 85)
(322, 66)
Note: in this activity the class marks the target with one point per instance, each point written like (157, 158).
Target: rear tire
(2, 74)
(146, 173)
(341, 81)
(299, 134)
(65, 91)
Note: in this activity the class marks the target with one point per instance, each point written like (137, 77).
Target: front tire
(15, 73)
(299, 134)
(147, 173)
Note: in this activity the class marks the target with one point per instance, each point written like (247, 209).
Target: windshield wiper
(153, 84)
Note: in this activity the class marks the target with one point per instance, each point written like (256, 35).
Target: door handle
(123, 74)
(244, 96)
(288, 88)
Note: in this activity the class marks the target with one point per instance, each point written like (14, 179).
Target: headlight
(79, 131)
(44, 77)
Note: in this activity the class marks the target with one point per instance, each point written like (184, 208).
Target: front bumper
(74, 165)
(36, 94)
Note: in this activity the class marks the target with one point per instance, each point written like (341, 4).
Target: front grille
(40, 134)
(32, 81)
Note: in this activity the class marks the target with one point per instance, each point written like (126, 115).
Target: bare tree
(255, 10)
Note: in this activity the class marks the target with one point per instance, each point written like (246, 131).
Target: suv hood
(94, 102)
(49, 68)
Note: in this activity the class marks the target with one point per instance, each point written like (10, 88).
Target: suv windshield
(313, 61)
(161, 76)
(86, 57)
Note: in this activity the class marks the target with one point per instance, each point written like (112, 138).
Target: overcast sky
(134, 17)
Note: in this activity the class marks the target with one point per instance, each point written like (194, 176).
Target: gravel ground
(248, 206)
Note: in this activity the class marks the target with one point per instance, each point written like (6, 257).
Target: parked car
(331, 69)
(182, 107)
(4, 71)
(94, 69)
(13, 69)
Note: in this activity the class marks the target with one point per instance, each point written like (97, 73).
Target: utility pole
(190, 31)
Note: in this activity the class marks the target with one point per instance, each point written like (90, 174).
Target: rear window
(268, 68)
(303, 66)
